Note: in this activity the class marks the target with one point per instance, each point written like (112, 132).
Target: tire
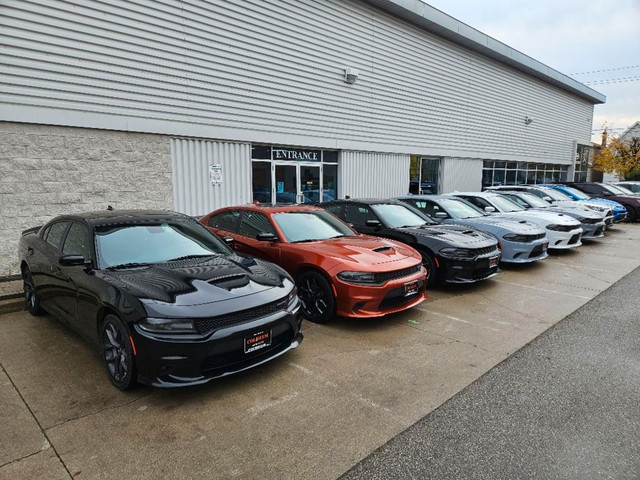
(631, 214)
(430, 264)
(30, 294)
(316, 297)
(117, 353)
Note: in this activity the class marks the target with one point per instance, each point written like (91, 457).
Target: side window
(54, 235)
(429, 208)
(225, 221)
(77, 241)
(478, 202)
(253, 223)
(358, 215)
(334, 208)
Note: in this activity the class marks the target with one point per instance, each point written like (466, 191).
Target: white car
(562, 231)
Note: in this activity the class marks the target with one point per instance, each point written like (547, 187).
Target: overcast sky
(572, 36)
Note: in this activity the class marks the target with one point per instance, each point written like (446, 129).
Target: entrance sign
(215, 174)
(297, 154)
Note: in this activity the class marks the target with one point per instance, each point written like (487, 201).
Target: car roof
(269, 208)
(121, 216)
(368, 201)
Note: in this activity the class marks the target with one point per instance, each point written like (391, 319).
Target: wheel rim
(428, 264)
(29, 290)
(115, 353)
(314, 298)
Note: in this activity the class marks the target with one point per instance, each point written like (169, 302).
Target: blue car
(619, 212)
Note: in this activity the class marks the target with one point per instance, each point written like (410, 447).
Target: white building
(195, 105)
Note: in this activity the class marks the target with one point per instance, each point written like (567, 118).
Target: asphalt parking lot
(313, 413)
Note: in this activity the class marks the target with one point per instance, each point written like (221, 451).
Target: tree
(621, 156)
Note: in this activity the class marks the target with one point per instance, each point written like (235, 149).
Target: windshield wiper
(307, 240)
(128, 265)
(337, 236)
(188, 257)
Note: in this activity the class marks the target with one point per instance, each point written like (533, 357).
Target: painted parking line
(456, 319)
(544, 290)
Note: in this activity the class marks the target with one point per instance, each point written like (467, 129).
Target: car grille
(485, 250)
(405, 272)
(591, 221)
(211, 324)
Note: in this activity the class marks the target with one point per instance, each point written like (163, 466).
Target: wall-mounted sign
(298, 154)
(280, 187)
(215, 174)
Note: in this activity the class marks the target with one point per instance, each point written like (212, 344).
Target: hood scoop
(469, 232)
(382, 249)
(229, 282)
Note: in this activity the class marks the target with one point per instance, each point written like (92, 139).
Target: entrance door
(424, 174)
(297, 183)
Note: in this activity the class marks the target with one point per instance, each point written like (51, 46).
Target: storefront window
(520, 173)
(261, 181)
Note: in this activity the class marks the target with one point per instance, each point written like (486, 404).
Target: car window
(427, 207)
(358, 214)
(54, 235)
(335, 209)
(478, 202)
(225, 221)
(77, 241)
(253, 223)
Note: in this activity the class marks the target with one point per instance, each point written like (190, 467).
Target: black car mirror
(441, 215)
(228, 240)
(266, 237)
(373, 223)
(72, 260)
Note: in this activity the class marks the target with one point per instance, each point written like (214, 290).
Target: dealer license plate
(410, 288)
(257, 341)
(493, 261)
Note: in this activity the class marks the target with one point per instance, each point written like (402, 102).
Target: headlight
(457, 252)
(167, 325)
(514, 237)
(357, 277)
(292, 297)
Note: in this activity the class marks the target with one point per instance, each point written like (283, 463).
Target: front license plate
(545, 245)
(410, 288)
(493, 261)
(257, 341)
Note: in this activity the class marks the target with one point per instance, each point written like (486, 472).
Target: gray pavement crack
(44, 433)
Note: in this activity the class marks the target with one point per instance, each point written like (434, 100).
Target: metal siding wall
(373, 175)
(461, 174)
(193, 193)
(271, 71)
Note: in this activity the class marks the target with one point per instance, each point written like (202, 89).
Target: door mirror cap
(373, 223)
(548, 199)
(72, 260)
(489, 209)
(228, 240)
(441, 215)
(266, 237)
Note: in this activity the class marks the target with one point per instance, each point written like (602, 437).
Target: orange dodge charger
(337, 271)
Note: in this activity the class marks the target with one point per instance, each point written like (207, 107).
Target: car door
(46, 269)
(81, 297)
(251, 224)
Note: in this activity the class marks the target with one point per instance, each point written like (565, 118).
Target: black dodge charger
(166, 301)
(450, 253)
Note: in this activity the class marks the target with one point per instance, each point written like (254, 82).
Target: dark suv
(602, 190)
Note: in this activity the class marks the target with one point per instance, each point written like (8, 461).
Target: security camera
(350, 75)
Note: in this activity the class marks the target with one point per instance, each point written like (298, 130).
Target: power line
(634, 78)
(606, 70)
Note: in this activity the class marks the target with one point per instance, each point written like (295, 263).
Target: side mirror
(72, 260)
(489, 209)
(548, 199)
(228, 240)
(441, 215)
(266, 237)
(373, 223)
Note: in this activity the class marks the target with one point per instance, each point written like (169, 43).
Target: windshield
(460, 209)
(155, 242)
(558, 195)
(399, 216)
(310, 225)
(534, 201)
(577, 193)
(504, 204)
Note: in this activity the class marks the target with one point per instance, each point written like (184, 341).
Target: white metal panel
(271, 71)
(368, 174)
(461, 174)
(193, 192)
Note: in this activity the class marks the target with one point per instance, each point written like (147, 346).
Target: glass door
(309, 181)
(286, 183)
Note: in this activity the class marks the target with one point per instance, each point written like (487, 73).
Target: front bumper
(370, 301)
(469, 270)
(524, 252)
(593, 230)
(175, 361)
(564, 240)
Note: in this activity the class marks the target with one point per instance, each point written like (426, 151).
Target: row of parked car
(169, 304)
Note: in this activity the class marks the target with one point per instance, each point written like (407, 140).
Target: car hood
(361, 250)
(196, 282)
(514, 225)
(456, 235)
(542, 218)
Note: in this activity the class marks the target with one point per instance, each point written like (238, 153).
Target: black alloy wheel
(30, 294)
(631, 213)
(316, 297)
(117, 353)
(430, 265)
